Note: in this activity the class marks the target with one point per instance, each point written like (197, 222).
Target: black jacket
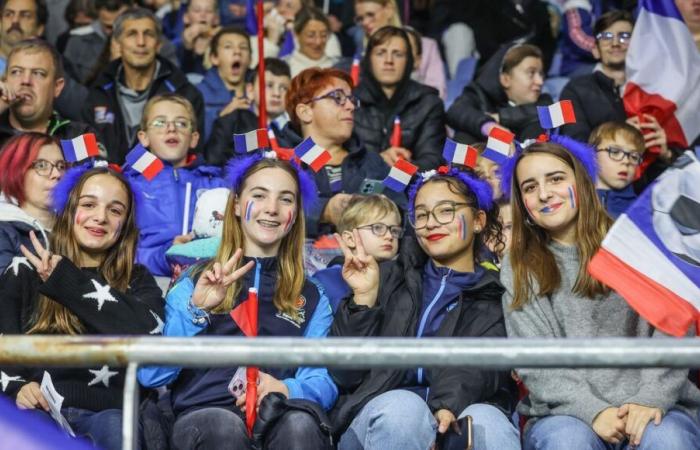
(396, 314)
(422, 115)
(58, 126)
(485, 95)
(103, 112)
(596, 100)
(219, 147)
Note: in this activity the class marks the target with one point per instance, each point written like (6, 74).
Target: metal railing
(87, 351)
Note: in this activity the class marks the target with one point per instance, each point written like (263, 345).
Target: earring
(477, 230)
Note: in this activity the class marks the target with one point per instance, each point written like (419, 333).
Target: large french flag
(651, 255)
(663, 72)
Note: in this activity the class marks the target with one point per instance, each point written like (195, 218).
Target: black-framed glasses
(622, 37)
(44, 167)
(380, 229)
(161, 123)
(339, 97)
(443, 213)
(618, 154)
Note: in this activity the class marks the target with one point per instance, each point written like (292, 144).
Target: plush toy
(209, 212)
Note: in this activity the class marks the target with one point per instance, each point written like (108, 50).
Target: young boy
(619, 147)
(378, 222)
(168, 130)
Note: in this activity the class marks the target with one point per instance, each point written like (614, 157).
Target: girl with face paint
(85, 281)
(558, 225)
(436, 287)
(261, 248)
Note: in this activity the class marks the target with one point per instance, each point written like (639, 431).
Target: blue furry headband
(583, 152)
(238, 167)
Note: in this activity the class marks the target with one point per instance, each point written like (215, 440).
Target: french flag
(251, 141)
(556, 114)
(456, 153)
(80, 148)
(395, 140)
(400, 175)
(651, 255)
(663, 72)
(313, 155)
(355, 70)
(144, 162)
(498, 145)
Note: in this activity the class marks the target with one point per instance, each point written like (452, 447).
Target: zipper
(256, 281)
(424, 319)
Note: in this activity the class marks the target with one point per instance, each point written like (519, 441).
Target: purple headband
(238, 167)
(480, 188)
(583, 152)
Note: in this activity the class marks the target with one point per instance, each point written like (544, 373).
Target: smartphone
(237, 384)
(370, 186)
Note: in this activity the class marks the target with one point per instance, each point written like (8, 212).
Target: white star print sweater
(101, 309)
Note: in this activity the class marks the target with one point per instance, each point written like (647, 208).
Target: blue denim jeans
(677, 431)
(401, 419)
(103, 428)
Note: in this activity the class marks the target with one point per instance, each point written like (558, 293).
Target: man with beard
(34, 78)
(21, 19)
(597, 97)
(117, 98)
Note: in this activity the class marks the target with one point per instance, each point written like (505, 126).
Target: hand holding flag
(245, 316)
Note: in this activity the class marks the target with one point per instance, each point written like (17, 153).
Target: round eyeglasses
(160, 123)
(339, 97)
(618, 154)
(622, 37)
(444, 214)
(380, 229)
(44, 167)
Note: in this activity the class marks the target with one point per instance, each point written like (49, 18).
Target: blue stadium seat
(554, 85)
(464, 75)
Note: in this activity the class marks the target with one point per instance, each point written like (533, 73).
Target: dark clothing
(103, 109)
(616, 201)
(219, 147)
(596, 100)
(15, 226)
(100, 309)
(475, 311)
(359, 165)
(422, 116)
(58, 126)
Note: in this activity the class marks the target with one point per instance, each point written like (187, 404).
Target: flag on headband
(400, 175)
(313, 155)
(498, 145)
(651, 255)
(556, 114)
(395, 140)
(272, 138)
(245, 315)
(355, 71)
(456, 153)
(80, 148)
(144, 162)
(251, 141)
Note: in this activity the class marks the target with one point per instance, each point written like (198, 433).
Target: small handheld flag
(251, 141)
(556, 114)
(396, 133)
(355, 70)
(144, 162)
(456, 153)
(400, 175)
(498, 145)
(246, 317)
(272, 138)
(80, 148)
(312, 154)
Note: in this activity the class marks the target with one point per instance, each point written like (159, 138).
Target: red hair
(306, 86)
(16, 157)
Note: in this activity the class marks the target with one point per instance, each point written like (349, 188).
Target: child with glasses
(378, 222)
(619, 148)
(169, 131)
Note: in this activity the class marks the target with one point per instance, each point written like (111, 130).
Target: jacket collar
(166, 71)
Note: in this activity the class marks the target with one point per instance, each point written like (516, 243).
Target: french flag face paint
(289, 223)
(248, 210)
(462, 228)
(572, 197)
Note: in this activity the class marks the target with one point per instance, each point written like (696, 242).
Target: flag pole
(262, 104)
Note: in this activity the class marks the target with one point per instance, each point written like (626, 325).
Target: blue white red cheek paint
(572, 197)
(462, 228)
(290, 221)
(248, 210)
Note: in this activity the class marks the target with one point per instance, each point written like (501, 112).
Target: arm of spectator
(152, 254)
(579, 28)
(427, 151)
(466, 114)
(581, 129)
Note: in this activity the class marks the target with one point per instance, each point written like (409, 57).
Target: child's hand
(212, 285)
(183, 238)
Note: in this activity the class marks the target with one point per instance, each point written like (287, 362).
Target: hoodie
(15, 225)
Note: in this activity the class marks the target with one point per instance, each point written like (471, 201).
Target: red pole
(262, 107)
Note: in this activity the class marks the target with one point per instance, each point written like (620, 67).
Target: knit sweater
(583, 393)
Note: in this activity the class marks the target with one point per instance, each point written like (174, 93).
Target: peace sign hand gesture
(44, 261)
(360, 271)
(212, 284)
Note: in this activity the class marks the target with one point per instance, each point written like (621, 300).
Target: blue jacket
(331, 278)
(160, 216)
(577, 35)
(193, 388)
(616, 201)
(216, 96)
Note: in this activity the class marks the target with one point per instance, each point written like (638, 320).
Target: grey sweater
(583, 393)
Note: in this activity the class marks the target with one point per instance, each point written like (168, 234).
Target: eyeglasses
(622, 37)
(618, 154)
(361, 18)
(44, 167)
(444, 213)
(339, 97)
(380, 229)
(160, 123)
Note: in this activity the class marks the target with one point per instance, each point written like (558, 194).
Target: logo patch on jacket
(301, 313)
(102, 115)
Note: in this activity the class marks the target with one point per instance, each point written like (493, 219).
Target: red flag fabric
(246, 317)
(355, 71)
(396, 133)
(262, 107)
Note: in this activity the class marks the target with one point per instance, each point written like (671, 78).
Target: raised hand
(212, 285)
(44, 261)
(360, 271)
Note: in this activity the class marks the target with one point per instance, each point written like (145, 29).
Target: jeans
(402, 420)
(220, 428)
(677, 431)
(103, 428)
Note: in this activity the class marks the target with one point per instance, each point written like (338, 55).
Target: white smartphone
(237, 385)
